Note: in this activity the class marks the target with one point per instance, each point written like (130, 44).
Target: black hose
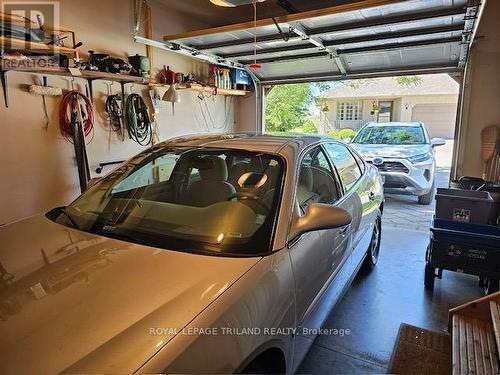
(137, 119)
(114, 111)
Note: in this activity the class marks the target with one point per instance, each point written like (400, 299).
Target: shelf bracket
(5, 87)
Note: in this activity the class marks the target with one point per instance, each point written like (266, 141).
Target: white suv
(404, 155)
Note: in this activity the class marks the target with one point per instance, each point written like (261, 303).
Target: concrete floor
(378, 302)
(393, 293)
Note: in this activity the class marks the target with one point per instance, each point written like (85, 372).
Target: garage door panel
(322, 42)
(439, 119)
(290, 67)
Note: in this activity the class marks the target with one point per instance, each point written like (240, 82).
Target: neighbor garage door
(439, 119)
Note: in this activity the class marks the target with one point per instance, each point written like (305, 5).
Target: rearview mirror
(320, 216)
(437, 142)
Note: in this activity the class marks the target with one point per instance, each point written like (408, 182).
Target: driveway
(403, 211)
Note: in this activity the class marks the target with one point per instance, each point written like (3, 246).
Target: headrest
(212, 168)
(306, 178)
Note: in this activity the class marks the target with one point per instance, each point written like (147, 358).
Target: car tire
(373, 251)
(429, 276)
(427, 199)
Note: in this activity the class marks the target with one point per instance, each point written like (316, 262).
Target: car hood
(390, 151)
(77, 302)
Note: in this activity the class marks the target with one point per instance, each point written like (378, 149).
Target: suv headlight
(419, 158)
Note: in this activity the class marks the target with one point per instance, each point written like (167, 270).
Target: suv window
(316, 182)
(345, 163)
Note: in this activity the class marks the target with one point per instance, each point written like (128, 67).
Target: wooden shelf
(205, 88)
(86, 74)
(22, 45)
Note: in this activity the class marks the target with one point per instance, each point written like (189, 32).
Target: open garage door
(353, 40)
(439, 119)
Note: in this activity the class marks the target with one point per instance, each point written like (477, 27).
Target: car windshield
(190, 199)
(391, 135)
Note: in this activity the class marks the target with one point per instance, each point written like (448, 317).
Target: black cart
(465, 233)
(463, 247)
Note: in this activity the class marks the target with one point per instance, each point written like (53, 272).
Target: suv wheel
(429, 197)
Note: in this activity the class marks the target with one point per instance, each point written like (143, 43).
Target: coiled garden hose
(75, 103)
(137, 119)
(115, 112)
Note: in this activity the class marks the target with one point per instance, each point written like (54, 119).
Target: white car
(404, 154)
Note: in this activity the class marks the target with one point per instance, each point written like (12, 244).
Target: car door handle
(371, 196)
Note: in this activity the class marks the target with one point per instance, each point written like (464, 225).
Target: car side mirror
(348, 140)
(438, 142)
(319, 216)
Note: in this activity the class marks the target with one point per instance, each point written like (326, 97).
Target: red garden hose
(75, 101)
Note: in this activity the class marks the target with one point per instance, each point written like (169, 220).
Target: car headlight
(419, 158)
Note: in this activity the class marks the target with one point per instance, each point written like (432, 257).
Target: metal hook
(72, 82)
(109, 87)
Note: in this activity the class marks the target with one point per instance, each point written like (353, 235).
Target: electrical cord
(74, 102)
(115, 112)
(137, 120)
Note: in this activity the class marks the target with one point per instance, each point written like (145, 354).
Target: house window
(349, 110)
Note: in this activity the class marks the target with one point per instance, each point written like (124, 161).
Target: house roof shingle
(432, 84)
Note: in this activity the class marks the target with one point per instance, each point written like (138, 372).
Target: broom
(489, 136)
(44, 91)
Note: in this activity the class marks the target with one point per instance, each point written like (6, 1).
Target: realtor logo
(29, 26)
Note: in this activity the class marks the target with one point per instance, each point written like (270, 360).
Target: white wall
(481, 93)
(37, 167)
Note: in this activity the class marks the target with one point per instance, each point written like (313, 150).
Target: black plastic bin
(466, 206)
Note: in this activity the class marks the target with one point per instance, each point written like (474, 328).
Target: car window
(361, 164)
(316, 183)
(154, 172)
(391, 135)
(182, 199)
(345, 163)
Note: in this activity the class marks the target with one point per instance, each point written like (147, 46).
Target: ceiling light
(233, 3)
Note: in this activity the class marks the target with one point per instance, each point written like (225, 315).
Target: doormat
(419, 351)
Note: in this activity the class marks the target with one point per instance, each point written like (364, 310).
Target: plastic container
(469, 248)
(466, 206)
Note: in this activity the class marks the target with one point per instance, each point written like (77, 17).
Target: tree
(409, 80)
(288, 107)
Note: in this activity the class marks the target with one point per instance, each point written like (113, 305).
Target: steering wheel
(248, 196)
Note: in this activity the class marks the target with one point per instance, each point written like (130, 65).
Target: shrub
(342, 133)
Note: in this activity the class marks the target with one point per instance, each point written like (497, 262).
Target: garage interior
(291, 41)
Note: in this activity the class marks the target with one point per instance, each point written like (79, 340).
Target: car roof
(269, 143)
(393, 123)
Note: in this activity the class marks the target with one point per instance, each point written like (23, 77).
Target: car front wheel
(371, 258)
(429, 197)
